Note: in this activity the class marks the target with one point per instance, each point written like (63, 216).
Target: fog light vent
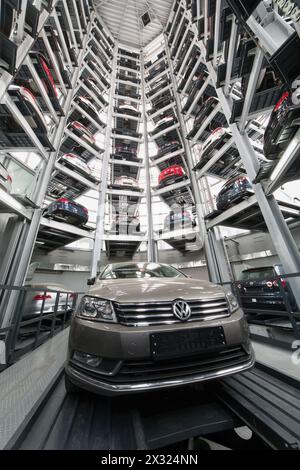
(88, 359)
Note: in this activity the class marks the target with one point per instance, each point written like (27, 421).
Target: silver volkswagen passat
(146, 326)
(42, 299)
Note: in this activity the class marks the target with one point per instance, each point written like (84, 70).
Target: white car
(92, 83)
(165, 120)
(74, 161)
(81, 131)
(126, 181)
(128, 109)
(5, 179)
(87, 105)
(33, 105)
(215, 140)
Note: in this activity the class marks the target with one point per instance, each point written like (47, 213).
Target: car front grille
(161, 313)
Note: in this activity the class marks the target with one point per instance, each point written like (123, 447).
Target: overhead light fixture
(146, 18)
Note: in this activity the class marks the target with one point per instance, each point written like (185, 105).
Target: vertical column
(96, 257)
(151, 251)
(209, 252)
(217, 258)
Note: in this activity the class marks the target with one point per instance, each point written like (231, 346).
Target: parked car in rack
(160, 102)
(92, 85)
(67, 211)
(156, 70)
(42, 299)
(127, 182)
(8, 17)
(234, 191)
(158, 86)
(168, 147)
(95, 68)
(205, 110)
(35, 118)
(81, 131)
(41, 64)
(266, 81)
(164, 123)
(5, 179)
(283, 124)
(259, 290)
(76, 163)
(56, 47)
(127, 109)
(215, 141)
(172, 174)
(86, 104)
(178, 219)
(126, 129)
(189, 331)
(126, 149)
(125, 224)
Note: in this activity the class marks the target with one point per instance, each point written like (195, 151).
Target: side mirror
(91, 281)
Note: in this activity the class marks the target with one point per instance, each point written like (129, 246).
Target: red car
(42, 67)
(171, 175)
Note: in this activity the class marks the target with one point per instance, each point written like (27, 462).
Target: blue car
(67, 211)
(234, 190)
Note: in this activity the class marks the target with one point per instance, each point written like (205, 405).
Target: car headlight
(232, 302)
(94, 308)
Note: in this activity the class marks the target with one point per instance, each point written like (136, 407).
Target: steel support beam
(188, 152)
(151, 251)
(99, 233)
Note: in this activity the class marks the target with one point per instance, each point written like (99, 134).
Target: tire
(70, 387)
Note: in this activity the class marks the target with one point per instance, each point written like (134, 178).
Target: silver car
(147, 326)
(42, 299)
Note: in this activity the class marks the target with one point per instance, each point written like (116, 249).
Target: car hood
(154, 289)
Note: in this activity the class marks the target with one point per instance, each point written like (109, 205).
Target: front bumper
(97, 386)
(121, 346)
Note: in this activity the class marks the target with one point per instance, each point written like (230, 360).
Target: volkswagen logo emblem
(181, 310)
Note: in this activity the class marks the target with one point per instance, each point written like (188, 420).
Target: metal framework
(67, 35)
(197, 58)
(217, 64)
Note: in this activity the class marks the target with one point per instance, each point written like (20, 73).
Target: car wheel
(70, 387)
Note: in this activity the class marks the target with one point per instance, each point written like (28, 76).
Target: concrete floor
(24, 385)
(284, 361)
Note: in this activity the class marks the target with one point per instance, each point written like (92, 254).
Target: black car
(233, 191)
(259, 289)
(283, 124)
(168, 147)
(67, 211)
(205, 110)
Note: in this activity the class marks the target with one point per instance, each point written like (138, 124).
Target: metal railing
(286, 305)
(40, 313)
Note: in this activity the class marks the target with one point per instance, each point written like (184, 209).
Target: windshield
(257, 274)
(139, 270)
